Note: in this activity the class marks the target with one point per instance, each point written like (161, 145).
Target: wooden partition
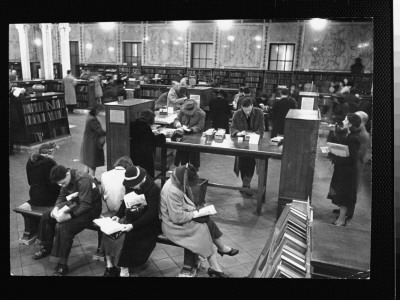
(119, 115)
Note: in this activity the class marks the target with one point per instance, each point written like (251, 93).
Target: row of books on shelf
(151, 93)
(56, 114)
(82, 97)
(58, 87)
(35, 118)
(81, 88)
(57, 131)
(236, 80)
(253, 79)
(35, 137)
(33, 107)
(55, 103)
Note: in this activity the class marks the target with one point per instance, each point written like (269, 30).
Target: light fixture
(180, 38)
(315, 48)
(107, 25)
(224, 46)
(362, 45)
(162, 41)
(224, 24)
(89, 46)
(38, 42)
(318, 24)
(181, 25)
(146, 38)
(258, 46)
(111, 49)
(231, 38)
(257, 38)
(175, 42)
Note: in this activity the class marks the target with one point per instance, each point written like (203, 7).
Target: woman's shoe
(41, 253)
(344, 224)
(62, 270)
(111, 272)
(215, 274)
(233, 252)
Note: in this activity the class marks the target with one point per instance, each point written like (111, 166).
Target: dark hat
(188, 106)
(133, 176)
(47, 148)
(191, 173)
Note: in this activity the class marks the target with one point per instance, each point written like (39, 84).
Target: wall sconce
(111, 49)
(146, 38)
(231, 38)
(180, 38)
(38, 42)
(224, 24)
(181, 25)
(318, 24)
(258, 46)
(224, 46)
(89, 46)
(162, 41)
(257, 38)
(175, 42)
(107, 25)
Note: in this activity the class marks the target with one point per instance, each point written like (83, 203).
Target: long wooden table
(230, 146)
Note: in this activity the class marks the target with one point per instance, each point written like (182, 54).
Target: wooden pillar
(64, 30)
(47, 50)
(23, 46)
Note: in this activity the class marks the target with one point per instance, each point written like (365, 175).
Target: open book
(338, 149)
(132, 198)
(206, 211)
(108, 226)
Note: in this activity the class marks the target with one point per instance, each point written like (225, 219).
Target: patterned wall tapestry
(101, 42)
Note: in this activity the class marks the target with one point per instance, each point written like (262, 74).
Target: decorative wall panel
(239, 47)
(336, 47)
(283, 32)
(101, 41)
(14, 53)
(55, 46)
(131, 32)
(202, 32)
(74, 33)
(165, 46)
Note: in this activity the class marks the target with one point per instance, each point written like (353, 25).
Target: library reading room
(251, 138)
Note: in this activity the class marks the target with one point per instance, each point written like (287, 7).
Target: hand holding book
(205, 211)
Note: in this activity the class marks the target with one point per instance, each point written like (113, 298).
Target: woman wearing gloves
(178, 214)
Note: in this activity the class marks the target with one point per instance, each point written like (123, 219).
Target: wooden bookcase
(40, 118)
(287, 251)
(84, 94)
(27, 85)
(298, 156)
(201, 74)
(254, 81)
(57, 70)
(130, 71)
(153, 91)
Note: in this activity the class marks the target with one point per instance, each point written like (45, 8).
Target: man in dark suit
(279, 111)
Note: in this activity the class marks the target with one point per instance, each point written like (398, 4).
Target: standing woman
(92, 152)
(343, 187)
(98, 91)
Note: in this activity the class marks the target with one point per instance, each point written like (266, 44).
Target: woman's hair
(354, 120)
(95, 108)
(57, 173)
(148, 115)
(124, 162)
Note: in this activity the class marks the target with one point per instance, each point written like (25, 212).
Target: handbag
(134, 212)
(177, 136)
(101, 141)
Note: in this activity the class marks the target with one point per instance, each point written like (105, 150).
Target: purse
(134, 212)
(101, 141)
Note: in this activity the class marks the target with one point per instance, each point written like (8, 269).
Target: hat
(133, 176)
(188, 106)
(191, 173)
(47, 148)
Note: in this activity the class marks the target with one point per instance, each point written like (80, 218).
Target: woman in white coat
(179, 223)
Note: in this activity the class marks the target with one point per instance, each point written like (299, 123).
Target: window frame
(280, 60)
(208, 57)
(132, 58)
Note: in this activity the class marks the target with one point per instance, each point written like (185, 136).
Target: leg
(30, 231)
(163, 164)
(46, 229)
(99, 255)
(350, 211)
(342, 216)
(261, 183)
(212, 260)
(190, 264)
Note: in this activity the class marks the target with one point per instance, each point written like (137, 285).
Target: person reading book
(343, 186)
(180, 223)
(78, 204)
(140, 227)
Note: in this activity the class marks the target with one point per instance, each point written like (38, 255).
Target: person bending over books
(179, 224)
(133, 248)
(173, 97)
(344, 182)
(78, 204)
(42, 191)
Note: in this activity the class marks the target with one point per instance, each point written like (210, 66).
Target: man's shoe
(215, 274)
(62, 270)
(244, 192)
(41, 253)
(111, 272)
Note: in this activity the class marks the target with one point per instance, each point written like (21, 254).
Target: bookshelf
(57, 71)
(254, 81)
(40, 118)
(201, 74)
(130, 71)
(84, 94)
(153, 91)
(287, 252)
(17, 67)
(27, 85)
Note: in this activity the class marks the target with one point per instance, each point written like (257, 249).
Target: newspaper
(108, 226)
(338, 149)
(132, 198)
(206, 211)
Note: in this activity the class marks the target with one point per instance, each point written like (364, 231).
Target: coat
(344, 182)
(177, 221)
(98, 91)
(69, 84)
(161, 101)
(220, 113)
(279, 111)
(143, 144)
(365, 141)
(173, 99)
(42, 191)
(91, 155)
(141, 240)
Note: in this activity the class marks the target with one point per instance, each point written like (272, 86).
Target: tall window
(281, 57)
(74, 58)
(202, 56)
(132, 53)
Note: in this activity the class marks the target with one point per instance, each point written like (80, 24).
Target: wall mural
(165, 46)
(101, 42)
(202, 32)
(130, 32)
(239, 47)
(336, 47)
(54, 43)
(14, 53)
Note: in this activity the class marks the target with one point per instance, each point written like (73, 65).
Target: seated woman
(178, 212)
(143, 141)
(42, 191)
(133, 248)
(111, 184)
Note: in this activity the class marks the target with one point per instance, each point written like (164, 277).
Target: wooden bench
(32, 215)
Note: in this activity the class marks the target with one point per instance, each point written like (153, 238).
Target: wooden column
(64, 30)
(47, 50)
(23, 46)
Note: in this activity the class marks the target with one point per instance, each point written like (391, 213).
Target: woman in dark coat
(92, 152)
(42, 191)
(143, 141)
(220, 111)
(343, 187)
(134, 247)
